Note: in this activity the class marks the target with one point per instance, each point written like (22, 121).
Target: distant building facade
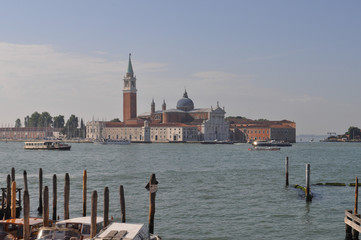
(246, 130)
(181, 124)
(28, 133)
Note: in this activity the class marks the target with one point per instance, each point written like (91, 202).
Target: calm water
(204, 191)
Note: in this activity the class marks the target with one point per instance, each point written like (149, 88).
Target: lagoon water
(204, 191)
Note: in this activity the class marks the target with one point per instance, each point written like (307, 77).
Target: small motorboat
(264, 149)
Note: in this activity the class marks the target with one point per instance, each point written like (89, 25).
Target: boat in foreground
(15, 226)
(82, 224)
(129, 231)
(46, 145)
(271, 143)
(55, 233)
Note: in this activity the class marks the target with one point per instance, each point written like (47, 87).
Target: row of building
(184, 123)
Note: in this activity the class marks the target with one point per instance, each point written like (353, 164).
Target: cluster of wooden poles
(44, 201)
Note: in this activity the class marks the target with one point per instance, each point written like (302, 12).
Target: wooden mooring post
(25, 176)
(286, 163)
(40, 208)
(106, 207)
(152, 187)
(84, 192)
(12, 174)
(55, 197)
(356, 196)
(66, 196)
(26, 229)
(308, 195)
(122, 204)
(8, 197)
(46, 207)
(13, 199)
(93, 216)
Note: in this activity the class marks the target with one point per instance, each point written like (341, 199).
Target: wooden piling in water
(308, 196)
(93, 217)
(122, 204)
(152, 188)
(55, 197)
(66, 196)
(26, 229)
(84, 192)
(287, 183)
(13, 199)
(25, 176)
(356, 195)
(106, 207)
(12, 174)
(8, 197)
(40, 208)
(46, 207)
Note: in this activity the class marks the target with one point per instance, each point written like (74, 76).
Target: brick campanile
(129, 94)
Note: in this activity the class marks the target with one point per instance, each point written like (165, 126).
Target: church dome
(185, 103)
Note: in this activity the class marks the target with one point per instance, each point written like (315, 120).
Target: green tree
(71, 126)
(82, 129)
(45, 120)
(58, 121)
(18, 123)
(34, 120)
(354, 132)
(115, 120)
(26, 121)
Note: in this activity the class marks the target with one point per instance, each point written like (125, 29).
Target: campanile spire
(129, 93)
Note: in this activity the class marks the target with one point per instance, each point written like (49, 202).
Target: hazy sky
(295, 60)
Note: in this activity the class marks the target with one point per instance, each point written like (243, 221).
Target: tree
(71, 126)
(354, 132)
(82, 129)
(34, 119)
(18, 123)
(115, 120)
(58, 121)
(45, 120)
(26, 121)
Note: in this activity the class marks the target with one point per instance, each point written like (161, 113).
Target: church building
(185, 123)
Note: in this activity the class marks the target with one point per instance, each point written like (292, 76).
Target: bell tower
(129, 94)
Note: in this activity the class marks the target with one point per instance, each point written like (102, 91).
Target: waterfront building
(28, 133)
(181, 124)
(246, 130)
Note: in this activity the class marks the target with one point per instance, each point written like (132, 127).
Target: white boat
(271, 143)
(128, 231)
(81, 224)
(55, 233)
(116, 141)
(46, 145)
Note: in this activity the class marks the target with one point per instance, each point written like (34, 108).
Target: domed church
(185, 123)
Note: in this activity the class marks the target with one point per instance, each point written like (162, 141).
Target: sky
(275, 60)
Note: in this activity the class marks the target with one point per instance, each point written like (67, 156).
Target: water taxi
(46, 145)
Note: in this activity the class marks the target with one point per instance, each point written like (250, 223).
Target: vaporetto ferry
(46, 145)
